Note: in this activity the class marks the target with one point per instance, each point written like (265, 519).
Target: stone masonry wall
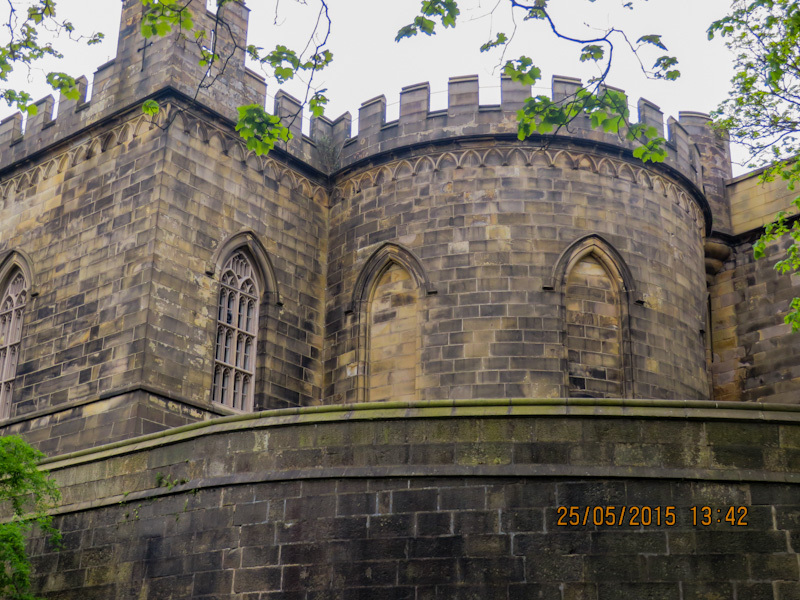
(756, 356)
(427, 538)
(487, 223)
(442, 500)
(120, 232)
(211, 190)
(114, 416)
(86, 218)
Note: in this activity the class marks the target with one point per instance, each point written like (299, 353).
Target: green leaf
(150, 108)
(260, 129)
(405, 32)
(655, 40)
(426, 26)
(500, 40)
(598, 118)
(592, 52)
(64, 84)
(664, 68)
(161, 17)
(317, 104)
(523, 71)
(446, 11)
(759, 248)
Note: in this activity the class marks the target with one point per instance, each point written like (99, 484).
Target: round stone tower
(467, 264)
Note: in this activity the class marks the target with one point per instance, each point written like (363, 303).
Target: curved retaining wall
(438, 500)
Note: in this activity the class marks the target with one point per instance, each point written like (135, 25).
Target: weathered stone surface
(271, 525)
(527, 328)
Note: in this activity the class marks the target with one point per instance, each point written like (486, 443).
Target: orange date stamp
(647, 516)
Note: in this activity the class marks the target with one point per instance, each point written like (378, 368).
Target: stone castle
(410, 362)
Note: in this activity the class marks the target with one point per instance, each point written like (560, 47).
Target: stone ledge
(569, 439)
(113, 393)
(604, 407)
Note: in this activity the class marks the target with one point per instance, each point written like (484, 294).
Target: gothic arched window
(12, 305)
(597, 287)
(393, 336)
(237, 321)
(594, 330)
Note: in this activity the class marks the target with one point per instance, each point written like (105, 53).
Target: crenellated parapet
(466, 117)
(159, 66)
(142, 69)
(43, 129)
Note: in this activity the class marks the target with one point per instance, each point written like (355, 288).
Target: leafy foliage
(523, 70)
(260, 129)
(286, 63)
(22, 48)
(762, 111)
(500, 40)
(606, 109)
(26, 493)
(652, 39)
(445, 10)
(782, 227)
(160, 18)
(150, 108)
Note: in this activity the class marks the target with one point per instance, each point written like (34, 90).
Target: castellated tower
(570, 270)
(420, 360)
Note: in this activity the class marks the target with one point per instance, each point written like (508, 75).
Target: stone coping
(113, 393)
(512, 407)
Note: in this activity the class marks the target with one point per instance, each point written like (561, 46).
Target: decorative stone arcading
(526, 156)
(170, 116)
(466, 117)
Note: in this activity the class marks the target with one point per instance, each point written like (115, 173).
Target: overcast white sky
(367, 61)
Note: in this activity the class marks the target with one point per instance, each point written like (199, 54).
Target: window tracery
(237, 320)
(12, 306)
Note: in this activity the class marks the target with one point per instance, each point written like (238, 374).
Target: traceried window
(237, 321)
(12, 306)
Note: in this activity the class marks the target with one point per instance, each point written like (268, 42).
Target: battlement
(465, 116)
(141, 69)
(144, 67)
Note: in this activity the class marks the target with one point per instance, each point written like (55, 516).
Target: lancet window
(594, 326)
(393, 342)
(12, 306)
(237, 323)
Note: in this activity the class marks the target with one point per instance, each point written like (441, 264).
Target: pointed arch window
(594, 331)
(386, 301)
(237, 320)
(393, 336)
(597, 288)
(12, 306)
